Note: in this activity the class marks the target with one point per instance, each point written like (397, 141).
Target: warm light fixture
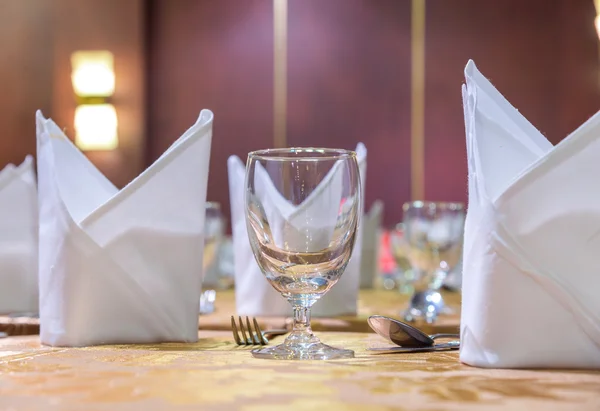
(93, 73)
(93, 80)
(597, 19)
(96, 127)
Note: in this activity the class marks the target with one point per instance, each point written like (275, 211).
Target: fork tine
(247, 341)
(234, 329)
(253, 338)
(261, 337)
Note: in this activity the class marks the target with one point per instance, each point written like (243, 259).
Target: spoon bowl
(402, 334)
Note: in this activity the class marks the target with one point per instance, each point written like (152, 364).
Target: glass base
(426, 305)
(313, 351)
(301, 343)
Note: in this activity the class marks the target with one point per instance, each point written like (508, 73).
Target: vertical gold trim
(417, 151)
(280, 72)
(597, 28)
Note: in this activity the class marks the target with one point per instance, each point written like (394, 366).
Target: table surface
(215, 374)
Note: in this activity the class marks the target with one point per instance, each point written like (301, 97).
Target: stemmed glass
(434, 235)
(302, 213)
(399, 249)
(214, 231)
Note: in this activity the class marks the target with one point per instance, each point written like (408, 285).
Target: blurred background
(295, 73)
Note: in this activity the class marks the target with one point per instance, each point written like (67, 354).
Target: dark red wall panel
(25, 73)
(349, 81)
(216, 55)
(542, 55)
(349, 78)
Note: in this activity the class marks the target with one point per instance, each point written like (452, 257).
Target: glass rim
(277, 154)
(443, 205)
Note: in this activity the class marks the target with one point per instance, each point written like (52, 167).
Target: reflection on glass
(302, 210)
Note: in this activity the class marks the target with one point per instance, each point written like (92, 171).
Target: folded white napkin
(369, 259)
(121, 266)
(532, 239)
(254, 295)
(18, 239)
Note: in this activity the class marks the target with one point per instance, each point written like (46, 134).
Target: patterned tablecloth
(214, 374)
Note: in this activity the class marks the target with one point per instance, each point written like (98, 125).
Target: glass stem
(301, 333)
(302, 320)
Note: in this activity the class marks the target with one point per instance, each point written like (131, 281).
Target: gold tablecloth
(214, 374)
(382, 302)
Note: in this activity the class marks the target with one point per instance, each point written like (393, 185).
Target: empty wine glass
(399, 250)
(302, 212)
(214, 231)
(434, 234)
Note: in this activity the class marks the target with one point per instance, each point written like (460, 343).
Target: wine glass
(399, 250)
(214, 231)
(302, 213)
(434, 234)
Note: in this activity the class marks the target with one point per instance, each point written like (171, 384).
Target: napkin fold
(18, 239)
(532, 236)
(254, 295)
(121, 266)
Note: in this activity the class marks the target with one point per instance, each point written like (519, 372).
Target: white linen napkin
(254, 295)
(369, 259)
(18, 239)
(121, 266)
(532, 239)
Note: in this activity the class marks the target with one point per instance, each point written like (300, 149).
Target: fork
(253, 335)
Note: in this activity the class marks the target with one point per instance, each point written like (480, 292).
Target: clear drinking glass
(399, 249)
(434, 234)
(302, 213)
(214, 231)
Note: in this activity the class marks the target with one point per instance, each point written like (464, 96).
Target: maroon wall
(349, 78)
(25, 74)
(217, 55)
(37, 38)
(542, 55)
(117, 26)
(349, 81)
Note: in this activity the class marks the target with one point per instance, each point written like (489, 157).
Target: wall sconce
(93, 79)
(96, 127)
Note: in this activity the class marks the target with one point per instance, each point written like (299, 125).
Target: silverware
(452, 345)
(405, 335)
(207, 302)
(251, 333)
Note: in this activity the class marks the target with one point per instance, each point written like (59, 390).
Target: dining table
(217, 374)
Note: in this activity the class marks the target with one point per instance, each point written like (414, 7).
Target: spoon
(405, 335)
(451, 345)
